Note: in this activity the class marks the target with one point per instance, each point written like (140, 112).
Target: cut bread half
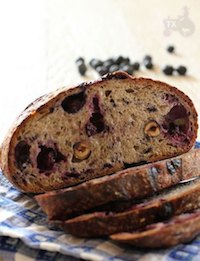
(95, 129)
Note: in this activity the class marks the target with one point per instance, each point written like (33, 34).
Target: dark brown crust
(45, 102)
(180, 229)
(133, 183)
(178, 199)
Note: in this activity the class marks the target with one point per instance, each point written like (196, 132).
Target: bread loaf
(70, 136)
(133, 183)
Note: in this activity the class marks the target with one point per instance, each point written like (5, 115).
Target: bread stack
(111, 158)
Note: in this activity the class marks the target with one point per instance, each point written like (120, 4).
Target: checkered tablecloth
(24, 232)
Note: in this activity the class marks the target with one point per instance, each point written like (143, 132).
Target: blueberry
(136, 66)
(147, 58)
(47, 157)
(80, 60)
(94, 63)
(126, 60)
(119, 60)
(82, 68)
(101, 70)
(148, 64)
(181, 70)
(122, 65)
(108, 63)
(128, 68)
(113, 68)
(170, 48)
(168, 70)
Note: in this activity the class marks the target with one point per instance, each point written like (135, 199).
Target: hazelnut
(179, 122)
(152, 129)
(82, 150)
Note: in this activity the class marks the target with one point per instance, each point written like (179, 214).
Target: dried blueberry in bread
(95, 129)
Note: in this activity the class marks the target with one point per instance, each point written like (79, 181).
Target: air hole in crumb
(148, 150)
(113, 103)
(51, 110)
(107, 93)
(134, 164)
(22, 153)
(151, 108)
(107, 165)
(130, 90)
(74, 103)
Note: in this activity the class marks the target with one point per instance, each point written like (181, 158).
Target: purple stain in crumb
(73, 103)
(22, 153)
(96, 122)
(176, 125)
(47, 157)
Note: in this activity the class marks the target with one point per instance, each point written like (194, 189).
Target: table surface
(42, 39)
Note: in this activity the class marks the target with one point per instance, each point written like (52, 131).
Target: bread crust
(42, 105)
(176, 200)
(133, 183)
(179, 229)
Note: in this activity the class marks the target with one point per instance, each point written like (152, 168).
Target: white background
(40, 40)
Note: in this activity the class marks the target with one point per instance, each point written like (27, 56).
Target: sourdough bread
(133, 183)
(178, 199)
(70, 136)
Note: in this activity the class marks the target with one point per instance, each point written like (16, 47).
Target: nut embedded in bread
(110, 115)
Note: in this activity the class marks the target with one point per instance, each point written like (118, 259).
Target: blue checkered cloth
(24, 232)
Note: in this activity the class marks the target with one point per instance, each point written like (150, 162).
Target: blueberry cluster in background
(125, 64)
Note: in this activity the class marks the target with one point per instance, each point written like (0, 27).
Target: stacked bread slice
(125, 212)
(112, 158)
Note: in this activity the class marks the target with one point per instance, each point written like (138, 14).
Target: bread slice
(180, 198)
(133, 183)
(179, 229)
(70, 136)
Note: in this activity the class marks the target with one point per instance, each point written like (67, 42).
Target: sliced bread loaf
(133, 183)
(178, 199)
(70, 136)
